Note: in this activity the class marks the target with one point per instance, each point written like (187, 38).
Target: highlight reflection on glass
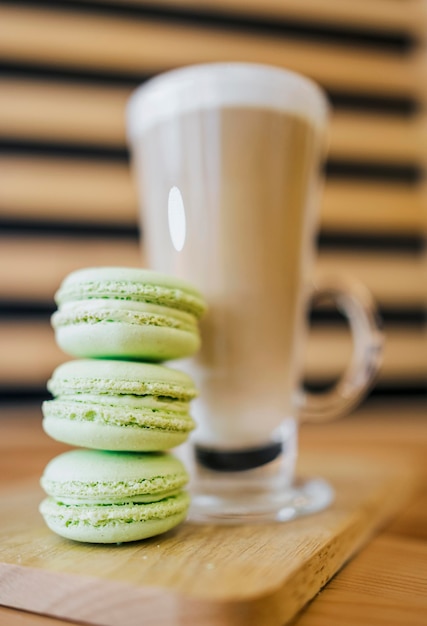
(176, 219)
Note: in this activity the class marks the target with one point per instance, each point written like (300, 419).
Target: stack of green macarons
(119, 404)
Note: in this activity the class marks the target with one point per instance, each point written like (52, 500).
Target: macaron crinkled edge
(118, 377)
(98, 310)
(94, 514)
(115, 523)
(132, 284)
(88, 466)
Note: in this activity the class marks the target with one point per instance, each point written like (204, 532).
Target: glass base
(302, 498)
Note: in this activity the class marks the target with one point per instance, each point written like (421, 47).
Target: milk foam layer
(224, 85)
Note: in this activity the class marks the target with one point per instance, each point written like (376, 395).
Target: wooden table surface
(384, 584)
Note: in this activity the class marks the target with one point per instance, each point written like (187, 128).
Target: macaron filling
(129, 290)
(121, 379)
(119, 405)
(98, 311)
(99, 515)
(115, 492)
(114, 411)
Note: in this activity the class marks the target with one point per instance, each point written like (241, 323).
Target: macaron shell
(120, 378)
(92, 310)
(133, 284)
(109, 437)
(127, 341)
(115, 524)
(114, 533)
(89, 476)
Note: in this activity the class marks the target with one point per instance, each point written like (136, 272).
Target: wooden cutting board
(198, 574)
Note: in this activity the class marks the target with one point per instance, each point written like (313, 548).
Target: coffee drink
(246, 212)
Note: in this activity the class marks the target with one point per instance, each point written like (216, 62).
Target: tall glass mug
(228, 161)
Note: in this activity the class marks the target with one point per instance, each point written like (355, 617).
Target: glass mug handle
(357, 304)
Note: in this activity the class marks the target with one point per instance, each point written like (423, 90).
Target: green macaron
(130, 313)
(113, 497)
(119, 405)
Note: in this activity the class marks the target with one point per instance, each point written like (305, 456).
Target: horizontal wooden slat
(382, 15)
(404, 358)
(33, 365)
(134, 46)
(46, 111)
(395, 279)
(373, 207)
(73, 190)
(86, 191)
(33, 354)
(40, 263)
(375, 137)
(68, 113)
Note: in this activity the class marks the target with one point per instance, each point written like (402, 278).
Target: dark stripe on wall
(23, 395)
(106, 78)
(390, 392)
(371, 242)
(24, 147)
(27, 311)
(362, 243)
(90, 230)
(31, 311)
(371, 103)
(415, 318)
(363, 170)
(394, 42)
(407, 173)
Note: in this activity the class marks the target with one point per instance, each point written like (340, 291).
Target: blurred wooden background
(67, 200)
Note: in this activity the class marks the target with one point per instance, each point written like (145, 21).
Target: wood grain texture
(204, 573)
(386, 582)
(55, 189)
(12, 617)
(72, 40)
(377, 431)
(373, 208)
